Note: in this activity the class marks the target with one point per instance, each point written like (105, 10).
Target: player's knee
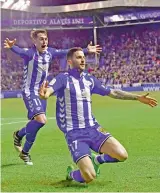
(44, 120)
(89, 176)
(123, 156)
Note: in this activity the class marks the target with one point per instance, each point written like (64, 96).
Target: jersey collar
(75, 73)
(45, 52)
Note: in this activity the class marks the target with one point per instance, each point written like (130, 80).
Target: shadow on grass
(9, 165)
(66, 183)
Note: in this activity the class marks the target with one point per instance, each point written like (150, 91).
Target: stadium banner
(136, 87)
(48, 22)
(11, 94)
(132, 16)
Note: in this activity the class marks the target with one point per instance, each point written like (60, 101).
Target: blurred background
(128, 31)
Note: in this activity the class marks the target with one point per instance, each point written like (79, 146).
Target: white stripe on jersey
(29, 76)
(87, 89)
(69, 125)
(80, 110)
(39, 74)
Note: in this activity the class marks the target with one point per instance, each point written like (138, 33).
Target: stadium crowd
(130, 55)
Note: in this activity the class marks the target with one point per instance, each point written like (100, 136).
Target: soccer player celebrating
(75, 119)
(36, 64)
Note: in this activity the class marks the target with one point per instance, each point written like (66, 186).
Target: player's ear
(69, 62)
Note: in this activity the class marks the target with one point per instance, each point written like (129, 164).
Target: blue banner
(132, 16)
(68, 21)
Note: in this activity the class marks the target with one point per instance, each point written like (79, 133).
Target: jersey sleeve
(58, 83)
(98, 88)
(63, 52)
(22, 52)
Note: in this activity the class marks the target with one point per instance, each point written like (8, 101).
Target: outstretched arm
(98, 88)
(10, 44)
(119, 94)
(90, 49)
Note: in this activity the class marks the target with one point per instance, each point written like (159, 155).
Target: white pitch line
(10, 118)
(15, 122)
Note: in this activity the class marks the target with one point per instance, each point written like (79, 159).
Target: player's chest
(79, 89)
(42, 62)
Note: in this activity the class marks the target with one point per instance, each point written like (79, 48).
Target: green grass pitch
(135, 125)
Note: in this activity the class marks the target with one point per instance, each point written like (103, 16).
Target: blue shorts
(34, 105)
(81, 141)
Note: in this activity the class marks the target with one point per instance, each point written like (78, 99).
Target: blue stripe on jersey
(85, 103)
(73, 100)
(60, 112)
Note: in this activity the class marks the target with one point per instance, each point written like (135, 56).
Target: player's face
(78, 60)
(41, 42)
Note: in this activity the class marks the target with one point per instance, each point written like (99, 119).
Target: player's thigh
(86, 168)
(114, 148)
(41, 118)
(78, 149)
(35, 106)
(98, 136)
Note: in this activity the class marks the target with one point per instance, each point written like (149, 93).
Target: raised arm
(10, 44)
(90, 49)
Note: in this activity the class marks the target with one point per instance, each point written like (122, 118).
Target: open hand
(9, 43)
(43, 90)
(148, 100)
(94, 49)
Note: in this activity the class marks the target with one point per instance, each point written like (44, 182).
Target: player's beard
(82, 66)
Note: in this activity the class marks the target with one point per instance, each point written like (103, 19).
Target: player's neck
(75, 72)
(41, 51)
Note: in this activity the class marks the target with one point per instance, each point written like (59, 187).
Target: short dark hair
(72, 51)
(35, 32)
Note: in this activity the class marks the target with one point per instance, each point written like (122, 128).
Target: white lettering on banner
(64, 21)
(30, 22)
(78, 21)
(15, 22)
(117, 86)
(49, 21)
(151, 88)
(136, 84)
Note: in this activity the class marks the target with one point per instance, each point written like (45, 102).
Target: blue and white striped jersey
(73, 106)
(36, 66)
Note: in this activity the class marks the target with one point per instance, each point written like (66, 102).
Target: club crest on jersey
(38, 108)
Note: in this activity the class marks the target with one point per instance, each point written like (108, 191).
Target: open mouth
(43, 46)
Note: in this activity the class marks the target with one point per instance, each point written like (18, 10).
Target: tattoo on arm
(119, 94)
